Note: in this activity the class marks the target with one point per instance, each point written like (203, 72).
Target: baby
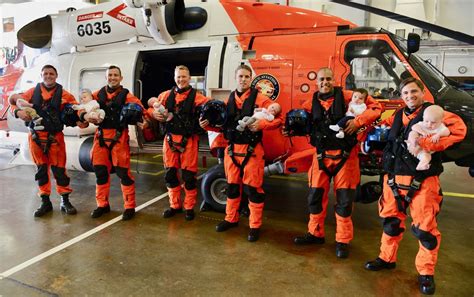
(28, 108)
(269, 114)
(90, 105)
(431, 126)
(356, 107)
(153, 102)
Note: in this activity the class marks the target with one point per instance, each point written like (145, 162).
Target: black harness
(241, 137)
(50, 111)
(397, 160)
(112, 110)
(324, 138)
(183, 121)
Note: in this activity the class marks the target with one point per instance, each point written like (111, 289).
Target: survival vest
(234, 115)
(397, 160)
(241, 137)
(324, 138)
(49, 110)
(112, 110)
(184, 114)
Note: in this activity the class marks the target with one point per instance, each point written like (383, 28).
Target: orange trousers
(424, 208)
(251, 182)
(55, 159)
(345, 183)
(103, 159)
(187, 161)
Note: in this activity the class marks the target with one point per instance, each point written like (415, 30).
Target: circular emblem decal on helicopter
(267, 84)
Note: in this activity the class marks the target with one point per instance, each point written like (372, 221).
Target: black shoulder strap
(231, 106)
(122, 96)
(338, 107)
(102, 95)
(316, 108)
(249, 104)
(171, 101)
(37, 98)
(57, 97)
(396, 125)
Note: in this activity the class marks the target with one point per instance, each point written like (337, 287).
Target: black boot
(99, 211)
(342, 250)
(66, 206)
(379, 264)
(170, 212)
(189, 215)
(45, 206)
(254, 234)
(128, 214)
(427, 284)
(309, 238)
(225, 225)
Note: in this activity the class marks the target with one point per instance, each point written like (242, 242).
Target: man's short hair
(115, 67)
(50, 67)
(410, 80)
(245, 67)
(182, 67)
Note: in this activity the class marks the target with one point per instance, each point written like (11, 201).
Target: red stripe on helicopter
(115, 13)
(90, 16)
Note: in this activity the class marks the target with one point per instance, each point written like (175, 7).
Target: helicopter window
(92, 79)
(375, 67)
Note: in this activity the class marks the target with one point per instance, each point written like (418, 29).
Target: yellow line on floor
(288, 177)
(460, 195)
(148, 172)
(145, 162)
(157, 156)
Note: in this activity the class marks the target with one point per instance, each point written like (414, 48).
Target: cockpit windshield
(432, 77)
(375, 67)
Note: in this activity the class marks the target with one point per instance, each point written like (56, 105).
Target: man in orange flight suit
(181, 143)
(111, 147)
(243, 160)
(404, 187)
(335, 158)
(47, 146)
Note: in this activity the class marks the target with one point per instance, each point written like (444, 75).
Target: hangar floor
(59, 255)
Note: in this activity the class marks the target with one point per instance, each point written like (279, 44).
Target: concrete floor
(152, 256)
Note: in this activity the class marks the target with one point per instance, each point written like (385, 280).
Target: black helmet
(298, 122)
(131, 114)
(69, 116)
(215, 112)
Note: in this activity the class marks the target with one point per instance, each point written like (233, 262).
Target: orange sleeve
(458, 131)
(26, 95)
(68, 98)
(162, 97)
(373, 111)
(200, 99)
(264, 101)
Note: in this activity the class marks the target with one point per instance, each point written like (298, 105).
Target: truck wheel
(369, 192)
(213, 188)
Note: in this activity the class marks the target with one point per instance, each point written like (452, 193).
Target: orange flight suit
(119, 157)
(252, 179)
(55, 158)
(177, 157)
(425, 204)
(345, 181)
